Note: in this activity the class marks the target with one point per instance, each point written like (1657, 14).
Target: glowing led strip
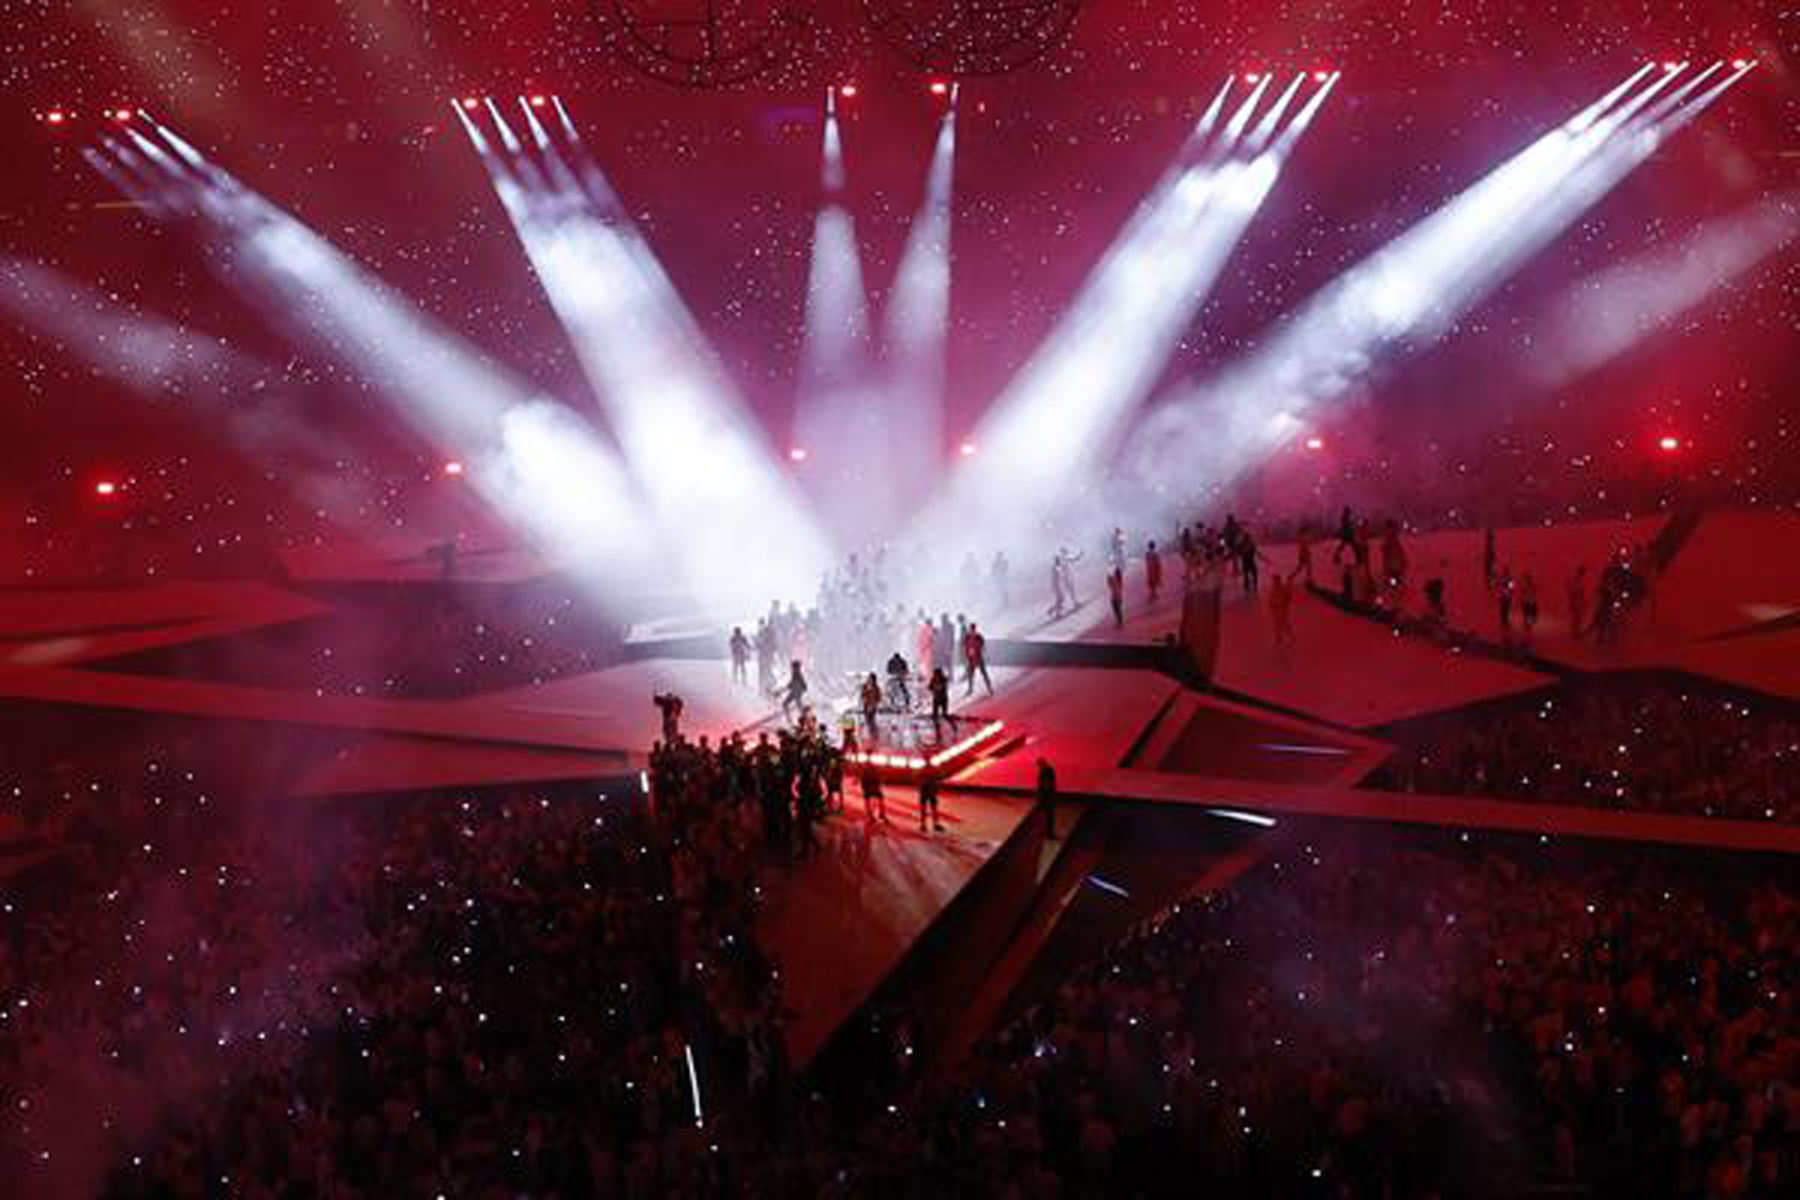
(914, 762)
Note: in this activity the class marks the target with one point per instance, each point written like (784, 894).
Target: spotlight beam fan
(1407, 294)
(738, 526)
(539, 467)
(1044, 440)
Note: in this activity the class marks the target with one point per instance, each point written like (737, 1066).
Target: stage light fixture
(1315, 443)
(939, 88)
(471, 103)
(106, 487)
(122, 114)
(1671, 65)
(1321, 76)
(453, 468)
(539, 100)
(56, 116)
(1742, 64)
(1253, 77)
(1668, 443)
(848, 91)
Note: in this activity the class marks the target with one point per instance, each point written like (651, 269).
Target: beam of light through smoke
(1611, 312)
(539, 467)
(839, 416)
(1404, 296)
(735, 521)
(206, 380)
(916, 327)
(1042, 444)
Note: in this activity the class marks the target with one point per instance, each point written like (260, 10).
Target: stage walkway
(1123, 784)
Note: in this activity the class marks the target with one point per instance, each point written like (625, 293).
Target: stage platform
(1284, 736)
(1725, 608)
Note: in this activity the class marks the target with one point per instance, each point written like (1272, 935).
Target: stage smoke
(1610, 313)
(1405, 296)
(540, 468)
(839, 416)
(916, 326)
(1043, 442)
(736, 523)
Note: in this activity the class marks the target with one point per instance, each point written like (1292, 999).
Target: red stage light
(122, 114)
(848, 91)
(105, 487)
(939, 88)
(1668, 443)
(1671, 65)
(797, 454)
(56, 116)
(1252, 77)
(470, 103)
(1315, 443)
(1739, 64)
(453, 468)
(1321, 76)
(538, 101)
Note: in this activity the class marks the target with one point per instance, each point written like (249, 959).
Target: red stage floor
(1116, 734)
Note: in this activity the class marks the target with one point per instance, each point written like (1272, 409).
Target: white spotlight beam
(158, 359)
(916, 326)
(539, 467)
(1042, 443)
(1265, 128)
(1611, 312)
(1406, 294)
(736, 523)
(838, 417)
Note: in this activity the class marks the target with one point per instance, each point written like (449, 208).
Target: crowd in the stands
(551, 992)
(1651, 743)
(1400, 1016)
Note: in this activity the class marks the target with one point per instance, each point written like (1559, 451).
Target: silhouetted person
(928, 802)
(1046, 796)
(939, 687)
(874, 799)
(975, 660)
(670, 705)
(871, 705)
(1152, 571)
(793, 699)
(897, 671)
(740, 655)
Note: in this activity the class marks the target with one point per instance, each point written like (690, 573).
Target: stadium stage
(1279, 734)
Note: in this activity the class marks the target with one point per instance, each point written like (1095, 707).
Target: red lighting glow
(1321, 76)
(470, 103)
(56, 116)
(848, 91)
(1671, 65)
(105, 487)
(1742, 64)
(1668, 443)
(797, 454)
(538, 101)
(122, 114)
(917, 762)
(1315, 442)
(939, 88)
(453, 468)
(1253, 77)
